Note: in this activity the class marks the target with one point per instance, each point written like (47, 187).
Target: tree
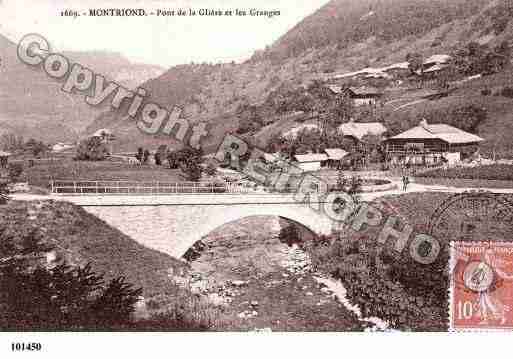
(192, 171)
(247, 125)
(475, 58)
(91, 149)
(4, 192)
(173, 159)
(146, 155)
(36, 296)
(140, 154)
(211, 169)
(36, 148)
(415, 62)
(15, 170)
(188, 160)
(11, 142)
(158, 161)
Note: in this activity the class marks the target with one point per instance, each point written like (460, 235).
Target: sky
(164, 41)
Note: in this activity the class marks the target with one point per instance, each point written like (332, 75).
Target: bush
(211, 169)
(487, 172)
(36, 296)
(507, 92)
(383, 283)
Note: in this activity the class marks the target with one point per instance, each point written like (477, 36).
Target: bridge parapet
(69, 187)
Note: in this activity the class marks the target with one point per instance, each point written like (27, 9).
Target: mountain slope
(344, 22)
(32, 104)
(342, 36)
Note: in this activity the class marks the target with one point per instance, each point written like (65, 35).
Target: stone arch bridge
(173, 223)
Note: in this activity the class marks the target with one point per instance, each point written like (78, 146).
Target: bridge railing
(137, 188)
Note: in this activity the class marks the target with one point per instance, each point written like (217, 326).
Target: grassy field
(464, 183)
(41, 174)
(80, 238)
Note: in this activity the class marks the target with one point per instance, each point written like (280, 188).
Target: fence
(130, 187)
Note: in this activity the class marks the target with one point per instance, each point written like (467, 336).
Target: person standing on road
(405, 183)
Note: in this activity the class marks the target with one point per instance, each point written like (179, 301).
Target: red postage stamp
(482, 286)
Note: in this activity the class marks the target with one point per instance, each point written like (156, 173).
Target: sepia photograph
(319, 169)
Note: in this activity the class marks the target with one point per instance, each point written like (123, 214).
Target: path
(420, 188)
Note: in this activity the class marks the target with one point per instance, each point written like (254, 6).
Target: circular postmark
(477, 228)
(473, 216)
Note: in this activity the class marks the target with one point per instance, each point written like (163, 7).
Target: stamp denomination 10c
(481, 286)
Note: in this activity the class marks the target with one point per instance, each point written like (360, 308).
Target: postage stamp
(481, 286)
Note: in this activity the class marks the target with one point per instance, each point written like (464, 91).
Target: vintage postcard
(254, 166)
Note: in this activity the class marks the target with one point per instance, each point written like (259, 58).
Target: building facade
(430, 144)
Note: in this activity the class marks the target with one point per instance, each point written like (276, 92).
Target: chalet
(364, 95)
(311, 161)
(430, 144)
(358, 130)
(293, 132)
(293, 115)
(438, 59)
(434, 66)
(104, 133)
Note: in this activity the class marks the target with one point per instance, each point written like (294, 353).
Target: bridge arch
(174, 228)
(274, 225)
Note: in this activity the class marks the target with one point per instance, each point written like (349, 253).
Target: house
(438, 59)
(311, 161)
(293, 115)
(434, 65)
(430, 144)
(61, 146)
(293, 132)
(358, 130)
(398, 70)
(364, 95)
(4, 158)
(335, 156)
(271, 157)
